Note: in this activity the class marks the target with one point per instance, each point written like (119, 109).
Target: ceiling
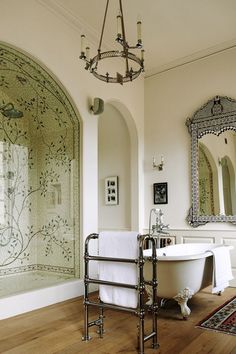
(174, 32)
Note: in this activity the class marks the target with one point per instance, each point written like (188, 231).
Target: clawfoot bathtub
(182, 271)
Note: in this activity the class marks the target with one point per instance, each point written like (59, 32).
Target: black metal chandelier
(129, 57)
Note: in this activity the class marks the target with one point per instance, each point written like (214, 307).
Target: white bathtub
(182, 271)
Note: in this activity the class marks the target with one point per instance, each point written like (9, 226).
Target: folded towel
(118, 245)
(222, 272)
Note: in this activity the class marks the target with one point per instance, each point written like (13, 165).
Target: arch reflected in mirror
(208, 182)
(229, 193)
(213, 148)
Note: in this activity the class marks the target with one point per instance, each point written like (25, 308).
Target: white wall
(51, 39)
(170, 98)
(114, 156)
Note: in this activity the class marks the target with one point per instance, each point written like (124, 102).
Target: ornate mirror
(213, 164)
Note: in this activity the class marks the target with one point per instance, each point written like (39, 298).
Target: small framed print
(160, 193)
(111, 191)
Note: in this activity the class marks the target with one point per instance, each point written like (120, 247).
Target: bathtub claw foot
(163, 302)
(182, 299)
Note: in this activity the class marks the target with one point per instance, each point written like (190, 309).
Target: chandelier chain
(103, 26)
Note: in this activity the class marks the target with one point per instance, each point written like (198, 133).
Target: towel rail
(112, 283)
(110, 259)
(111, 306)
(141, 308)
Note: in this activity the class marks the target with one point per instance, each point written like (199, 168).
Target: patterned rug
(223, 319)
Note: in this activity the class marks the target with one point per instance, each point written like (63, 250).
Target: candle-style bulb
(82, 43)
(87, 53)
(142, 54)
(139, 31)
(119, 25)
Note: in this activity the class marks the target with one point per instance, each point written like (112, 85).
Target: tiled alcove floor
(15, 284)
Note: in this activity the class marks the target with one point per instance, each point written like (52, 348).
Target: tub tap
(151, 229)
(158, 231)
(159, 226)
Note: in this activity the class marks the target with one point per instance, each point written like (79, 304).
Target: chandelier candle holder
(129, 57)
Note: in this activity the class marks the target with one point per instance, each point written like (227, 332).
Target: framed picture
(160, 193)
(111, 191)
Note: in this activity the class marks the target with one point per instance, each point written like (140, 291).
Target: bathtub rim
(186, 257)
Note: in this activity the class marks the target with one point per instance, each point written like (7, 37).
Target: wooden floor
(59, 328)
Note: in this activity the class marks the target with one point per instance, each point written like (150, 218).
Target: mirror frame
(215, 117)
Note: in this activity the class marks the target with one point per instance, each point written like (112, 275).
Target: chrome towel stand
(142, 308)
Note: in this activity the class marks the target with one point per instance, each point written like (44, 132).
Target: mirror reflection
(217, 166)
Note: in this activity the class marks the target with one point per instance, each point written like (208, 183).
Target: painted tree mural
(37, 153)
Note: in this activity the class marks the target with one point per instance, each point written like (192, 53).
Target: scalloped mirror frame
(214, 117)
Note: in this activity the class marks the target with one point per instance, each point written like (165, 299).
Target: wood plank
(58, 329)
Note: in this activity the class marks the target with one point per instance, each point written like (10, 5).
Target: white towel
(118, 245)
(222, 272)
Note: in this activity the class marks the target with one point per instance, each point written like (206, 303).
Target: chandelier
(130, 73)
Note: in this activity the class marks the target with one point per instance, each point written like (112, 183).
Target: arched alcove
(39, 177)
(118, 156)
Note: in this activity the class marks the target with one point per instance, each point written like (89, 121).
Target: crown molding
(74, 21)
(77, 23)
(200, 55)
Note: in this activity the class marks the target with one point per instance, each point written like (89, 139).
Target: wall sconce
(158, 166)
(222, 161)
(98, 106)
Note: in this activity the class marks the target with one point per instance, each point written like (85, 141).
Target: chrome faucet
(159, 227)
